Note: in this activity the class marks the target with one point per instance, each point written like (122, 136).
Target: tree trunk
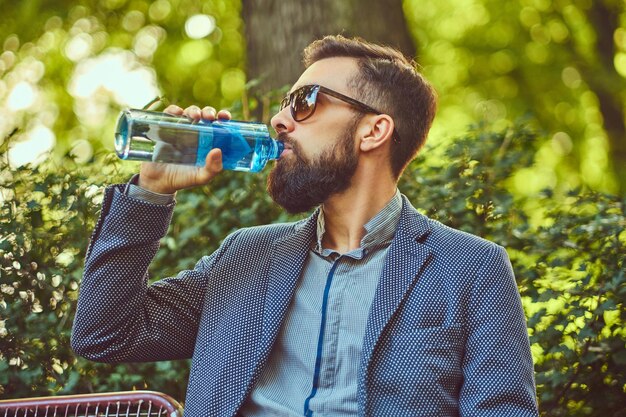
(278, 30)
(608, 85)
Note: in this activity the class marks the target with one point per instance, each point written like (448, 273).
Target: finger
(212, 165)
(208, 113)
(194, 112)
(224, 114)
(173, 109)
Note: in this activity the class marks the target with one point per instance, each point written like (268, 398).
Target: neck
(346, 214)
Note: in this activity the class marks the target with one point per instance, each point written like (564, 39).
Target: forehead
(334, 73)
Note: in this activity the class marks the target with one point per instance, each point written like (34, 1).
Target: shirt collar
(379, 230)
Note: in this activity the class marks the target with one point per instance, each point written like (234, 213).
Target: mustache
(284, 137)
(293, 144)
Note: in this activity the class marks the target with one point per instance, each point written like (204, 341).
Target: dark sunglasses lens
(303, 102)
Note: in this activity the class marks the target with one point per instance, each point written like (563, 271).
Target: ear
(376, 131)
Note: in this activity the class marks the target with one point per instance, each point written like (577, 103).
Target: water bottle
(160, 137)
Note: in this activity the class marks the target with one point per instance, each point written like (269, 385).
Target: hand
(169, 178)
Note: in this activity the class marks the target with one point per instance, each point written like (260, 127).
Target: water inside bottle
(245, 146)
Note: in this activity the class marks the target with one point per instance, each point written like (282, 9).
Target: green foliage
(71, 66)
(576, 278)
(68, 68)
(568, 254)
(561, 61)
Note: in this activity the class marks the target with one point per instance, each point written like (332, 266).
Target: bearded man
(365, 308)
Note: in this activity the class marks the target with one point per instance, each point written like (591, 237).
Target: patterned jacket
(446, 333)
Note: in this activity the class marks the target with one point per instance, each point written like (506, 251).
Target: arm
(119, 317)
(497, 368)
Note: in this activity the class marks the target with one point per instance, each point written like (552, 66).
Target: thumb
(213, 163)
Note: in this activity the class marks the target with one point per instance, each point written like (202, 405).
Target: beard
(298, 183)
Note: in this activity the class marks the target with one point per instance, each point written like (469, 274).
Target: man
(365, 308)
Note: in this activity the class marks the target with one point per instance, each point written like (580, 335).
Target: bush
(568, 251)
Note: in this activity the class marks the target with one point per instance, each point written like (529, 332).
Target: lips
(287, 149)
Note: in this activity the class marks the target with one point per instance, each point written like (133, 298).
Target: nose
(282, 121)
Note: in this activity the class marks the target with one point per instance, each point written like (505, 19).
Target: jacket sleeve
(497, 367)
(119, 317)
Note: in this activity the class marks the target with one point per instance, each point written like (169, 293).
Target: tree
(603, 78)
(277, 31)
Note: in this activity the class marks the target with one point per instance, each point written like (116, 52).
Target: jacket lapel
(288, 256)
(405, 259)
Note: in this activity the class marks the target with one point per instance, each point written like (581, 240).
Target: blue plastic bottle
(160, 137)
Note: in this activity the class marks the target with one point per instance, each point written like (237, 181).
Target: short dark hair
(387, 81)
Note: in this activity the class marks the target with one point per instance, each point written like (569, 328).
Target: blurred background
(68, 67)
(528, 149)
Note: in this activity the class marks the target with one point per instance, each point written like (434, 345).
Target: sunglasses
(302, 103)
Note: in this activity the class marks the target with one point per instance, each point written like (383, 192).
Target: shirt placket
(335, 302)
(325, 379)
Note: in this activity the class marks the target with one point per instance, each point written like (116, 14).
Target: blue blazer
(446, 333)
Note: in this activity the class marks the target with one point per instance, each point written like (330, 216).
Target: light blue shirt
(312, 368)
